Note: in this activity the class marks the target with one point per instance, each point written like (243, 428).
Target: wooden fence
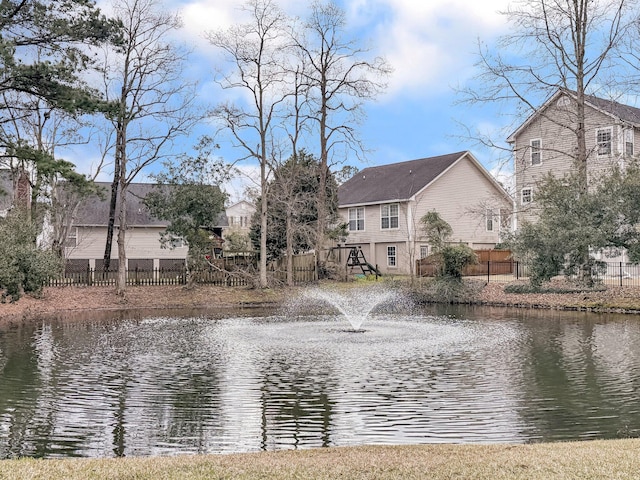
(490, 262)
(304, 268)
(304, 271)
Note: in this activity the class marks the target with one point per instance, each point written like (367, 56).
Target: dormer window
(603, 140)
(536, 151)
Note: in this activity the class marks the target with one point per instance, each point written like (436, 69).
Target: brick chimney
(22, 192)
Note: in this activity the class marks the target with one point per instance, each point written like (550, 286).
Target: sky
(432, 47)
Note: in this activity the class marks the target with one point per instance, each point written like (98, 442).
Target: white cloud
(430, 44)
(206, 16)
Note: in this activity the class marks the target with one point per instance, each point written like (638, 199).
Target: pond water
(169, 385)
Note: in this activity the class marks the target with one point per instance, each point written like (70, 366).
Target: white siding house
(383, 206)
(86, 241)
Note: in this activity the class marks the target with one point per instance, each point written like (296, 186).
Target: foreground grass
(614, 459)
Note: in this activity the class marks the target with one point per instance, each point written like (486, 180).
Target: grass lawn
(613, 459)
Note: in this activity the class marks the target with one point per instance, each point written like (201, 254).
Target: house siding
(554, 127)
(461, 196)
(140, 243)
(458, 196)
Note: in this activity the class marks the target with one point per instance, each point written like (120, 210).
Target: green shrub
(24, 268)
(454, 260)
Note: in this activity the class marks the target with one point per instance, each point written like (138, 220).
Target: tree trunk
(322, 181)
(263, 225)
(289, 234)
(115, 185)
(121, 284)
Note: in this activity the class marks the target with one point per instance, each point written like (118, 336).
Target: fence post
(620, 273)
(517, 270)
(488, 271)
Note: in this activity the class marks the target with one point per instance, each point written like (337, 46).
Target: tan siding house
(86, 241)
(239, 217)
(546, 142)
(383, 206)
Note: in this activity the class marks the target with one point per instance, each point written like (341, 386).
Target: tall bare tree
(340, 77)
(257, 52)
(155, 104)
(554, 44)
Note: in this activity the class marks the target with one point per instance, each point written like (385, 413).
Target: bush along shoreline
(556, 295)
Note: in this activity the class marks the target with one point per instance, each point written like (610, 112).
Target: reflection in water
(196, 385)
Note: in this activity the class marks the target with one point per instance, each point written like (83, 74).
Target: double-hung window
(356, 219)
(72, 238)
(490, 220)
(526, 196)
(389, 216)
(603, 140)
(391, 256)
(536, 151)
(628, 142)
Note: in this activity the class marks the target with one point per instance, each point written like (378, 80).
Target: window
(526, 195)
(389, 216)
(628, 142)
(603, 140)
(391, 256)
(72, 239)
(535, 151)
(424, 251)
(491, 220)
(356, 219)
(176, 242)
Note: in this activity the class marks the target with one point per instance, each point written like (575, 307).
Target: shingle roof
(623, 112)
(396, 181)
(94, 211)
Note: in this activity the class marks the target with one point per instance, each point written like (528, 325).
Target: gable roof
(94, 211)
(625, 113)
(399, 182)
(618, 111)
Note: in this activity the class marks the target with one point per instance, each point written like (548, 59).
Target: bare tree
(340, 78)
(257, 52)
(555, 44)
(155, 104)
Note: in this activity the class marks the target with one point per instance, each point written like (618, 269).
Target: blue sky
(430, 44)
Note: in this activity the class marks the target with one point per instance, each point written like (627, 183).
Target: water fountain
(355, 304)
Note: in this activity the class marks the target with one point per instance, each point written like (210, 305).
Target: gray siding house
(546, 142)
(383, 206)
